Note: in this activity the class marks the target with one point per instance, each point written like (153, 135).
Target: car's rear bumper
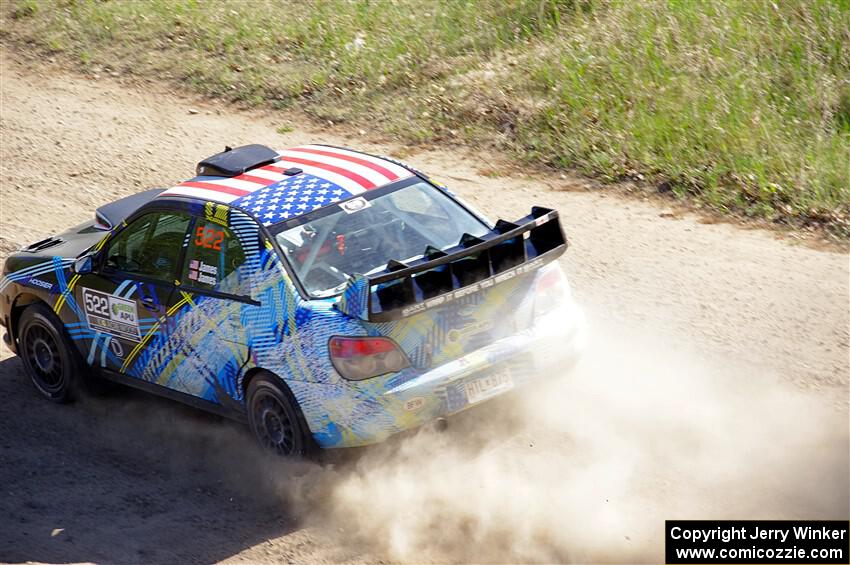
(546, 350)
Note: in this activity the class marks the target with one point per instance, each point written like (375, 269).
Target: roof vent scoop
(234, 161)
(110, 215)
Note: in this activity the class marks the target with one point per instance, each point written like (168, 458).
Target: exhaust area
(582, 466)
(586, 466)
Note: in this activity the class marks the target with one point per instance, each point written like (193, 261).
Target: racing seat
(160, 254)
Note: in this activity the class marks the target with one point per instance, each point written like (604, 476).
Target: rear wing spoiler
(475, 264)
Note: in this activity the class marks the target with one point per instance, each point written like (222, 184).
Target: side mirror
(83, 265)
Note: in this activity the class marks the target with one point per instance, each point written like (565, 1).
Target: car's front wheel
(50, 359)
(275, 418)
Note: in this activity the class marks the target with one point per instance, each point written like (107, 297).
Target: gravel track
(716, 384)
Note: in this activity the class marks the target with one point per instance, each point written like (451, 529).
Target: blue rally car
(328, 297)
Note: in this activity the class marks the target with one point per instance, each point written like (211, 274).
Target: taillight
(550, 290)
(358, 358)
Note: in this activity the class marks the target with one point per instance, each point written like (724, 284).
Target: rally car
(328, 297)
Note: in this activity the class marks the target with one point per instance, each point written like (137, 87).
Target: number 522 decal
(111, 315)
(209, 238)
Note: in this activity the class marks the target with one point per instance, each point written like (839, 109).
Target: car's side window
(214, 258)
(150, 246)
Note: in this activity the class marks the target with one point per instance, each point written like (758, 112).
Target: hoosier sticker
(111, 315)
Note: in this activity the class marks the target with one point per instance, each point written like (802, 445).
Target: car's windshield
(361, 236)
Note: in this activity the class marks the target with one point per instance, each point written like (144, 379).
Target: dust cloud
(586, 467)
(582, 466)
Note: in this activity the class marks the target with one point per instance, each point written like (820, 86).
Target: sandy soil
(716, 384)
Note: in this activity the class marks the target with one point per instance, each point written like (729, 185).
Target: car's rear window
(361, 235)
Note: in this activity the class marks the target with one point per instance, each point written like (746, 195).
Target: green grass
(741, 105)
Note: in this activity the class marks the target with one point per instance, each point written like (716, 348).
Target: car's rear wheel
(275, 418)
(51, 361)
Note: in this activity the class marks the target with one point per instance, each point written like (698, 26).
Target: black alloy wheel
(49, 358)
(275, 418)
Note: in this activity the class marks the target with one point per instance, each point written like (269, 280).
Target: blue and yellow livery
(328, 297)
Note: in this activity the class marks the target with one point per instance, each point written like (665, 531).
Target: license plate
(485, 387)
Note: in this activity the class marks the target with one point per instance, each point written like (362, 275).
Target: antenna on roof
(227, 148)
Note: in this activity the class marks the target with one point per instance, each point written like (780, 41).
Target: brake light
(358, 358)
(549, 279)
(551, 290)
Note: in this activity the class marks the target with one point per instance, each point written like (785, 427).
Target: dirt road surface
(715, 384)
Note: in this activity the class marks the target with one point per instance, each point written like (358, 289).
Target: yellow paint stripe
(176, 360)
(186, 298)
(212, 323)
(63, 298)
(139, 347)
(293, 336)
(168, 370)
(150, 333)
(101, 243)
(287, 355)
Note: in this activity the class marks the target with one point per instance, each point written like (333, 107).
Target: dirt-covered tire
(276, 419)
(50, 359)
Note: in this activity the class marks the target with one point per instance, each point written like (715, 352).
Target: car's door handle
(149, 302)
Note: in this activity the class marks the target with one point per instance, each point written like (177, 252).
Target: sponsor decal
(414, 404)
(457, 334)
(116, 348)
(467, 311)
(209, 238)
(40, 283)
(111, 314)
(355, 205)
(472, 289)
(202, 272)
(216, 213)
(410, 310)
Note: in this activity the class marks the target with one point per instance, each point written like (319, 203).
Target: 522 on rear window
(209, 238)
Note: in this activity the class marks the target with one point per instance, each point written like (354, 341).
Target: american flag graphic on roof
(291, 197)
(329, 174)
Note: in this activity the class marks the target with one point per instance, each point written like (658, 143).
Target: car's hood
(73, 242)
(69, 244)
